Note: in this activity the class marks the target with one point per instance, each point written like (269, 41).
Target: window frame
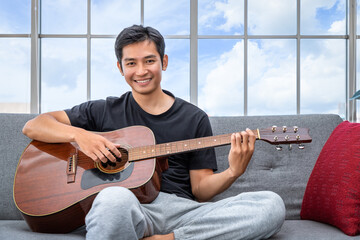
(350, 37)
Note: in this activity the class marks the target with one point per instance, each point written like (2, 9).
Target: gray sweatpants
(117, 214)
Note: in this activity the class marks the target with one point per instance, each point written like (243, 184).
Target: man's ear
(119, 67)
(165, 62)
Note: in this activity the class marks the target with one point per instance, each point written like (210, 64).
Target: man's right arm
(55, 127)
(52, 127)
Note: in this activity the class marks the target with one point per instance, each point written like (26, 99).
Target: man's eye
(130, 64)
(150, 61)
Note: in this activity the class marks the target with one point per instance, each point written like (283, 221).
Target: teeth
(144, 81)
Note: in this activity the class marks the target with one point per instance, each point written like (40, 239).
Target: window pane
(176, 78)
(106, 79)
(167, 16)
(358, 18)
(15, 16)
(221, 17)
(63, 73)
(272, 17)
(221, 77)
(15, 75)
(323, 76)
(63, 17)
(323, 17)
(111, 16)
(272, 77)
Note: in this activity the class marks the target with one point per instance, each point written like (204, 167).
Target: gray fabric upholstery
(285, 172)
(12, 144)
(18, 230)
(309, 230)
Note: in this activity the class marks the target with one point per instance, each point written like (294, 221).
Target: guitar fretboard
(166, 149)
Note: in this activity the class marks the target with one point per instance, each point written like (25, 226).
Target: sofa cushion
(306, 229)
(12, 144)
(332, 194)
(285, 172)
(19, 230)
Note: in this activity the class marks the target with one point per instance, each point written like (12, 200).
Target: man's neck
(155, 103)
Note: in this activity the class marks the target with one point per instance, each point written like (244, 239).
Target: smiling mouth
(143, 81)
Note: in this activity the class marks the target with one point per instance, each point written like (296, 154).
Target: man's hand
(55, 127)
(96, 146)
(205, 184)
(242, 149)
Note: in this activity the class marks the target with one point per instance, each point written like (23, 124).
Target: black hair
(139, 33)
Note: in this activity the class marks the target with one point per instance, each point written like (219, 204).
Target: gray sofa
(285, 172)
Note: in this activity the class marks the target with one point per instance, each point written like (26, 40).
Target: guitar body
(50, 202)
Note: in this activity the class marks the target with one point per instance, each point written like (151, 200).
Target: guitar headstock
(285, 135)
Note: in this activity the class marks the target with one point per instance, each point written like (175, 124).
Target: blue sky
(271, 69)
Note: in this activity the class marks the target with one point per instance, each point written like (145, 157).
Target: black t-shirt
(182, 121)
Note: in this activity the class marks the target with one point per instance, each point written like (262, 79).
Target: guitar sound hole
(115, 167)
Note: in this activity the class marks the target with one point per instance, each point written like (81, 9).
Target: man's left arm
(206, 184)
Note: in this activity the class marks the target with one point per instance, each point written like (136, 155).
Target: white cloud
(168, 18)
(310, 23)
(233, 12)
(223, 88)
(15, 70)
(323, 75)
(63, 96)
(338, 27)
(225, 16)
(281, 19)
(64, 16)
(111, 16)
(106, 79)
(268, 17)
(272, 79)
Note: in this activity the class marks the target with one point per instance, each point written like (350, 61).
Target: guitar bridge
(71, 168)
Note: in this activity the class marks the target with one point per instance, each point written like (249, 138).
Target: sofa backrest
(12, 144)
(285, 172)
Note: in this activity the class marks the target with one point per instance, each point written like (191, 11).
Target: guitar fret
(166, 149)
(174, 148)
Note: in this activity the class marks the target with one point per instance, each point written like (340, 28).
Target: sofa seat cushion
(19, 230)
(306, 229)
(332, 194)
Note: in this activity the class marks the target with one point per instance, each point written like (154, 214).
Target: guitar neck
(166, 149)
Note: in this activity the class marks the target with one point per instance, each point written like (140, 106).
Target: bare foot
(169, 236)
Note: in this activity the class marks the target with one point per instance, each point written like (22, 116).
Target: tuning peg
(290, 147)
(301, 146)
(278, 147)
(284, 128)
(273, 128)
(296, 129)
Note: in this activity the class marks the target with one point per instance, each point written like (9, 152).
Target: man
(180, 211)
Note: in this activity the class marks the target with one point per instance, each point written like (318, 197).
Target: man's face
(142, 67)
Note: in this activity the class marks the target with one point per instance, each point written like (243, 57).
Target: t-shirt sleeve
(203, 159)
(88, 115)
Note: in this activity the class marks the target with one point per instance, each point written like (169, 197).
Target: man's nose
(141, 70)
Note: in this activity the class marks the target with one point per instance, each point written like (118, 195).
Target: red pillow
(332, 194)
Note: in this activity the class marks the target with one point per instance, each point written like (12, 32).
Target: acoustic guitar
(56, 183)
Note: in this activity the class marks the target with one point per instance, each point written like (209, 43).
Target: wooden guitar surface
(42, 191)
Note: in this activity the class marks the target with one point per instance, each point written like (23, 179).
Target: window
(15, 56)
(230, 57)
